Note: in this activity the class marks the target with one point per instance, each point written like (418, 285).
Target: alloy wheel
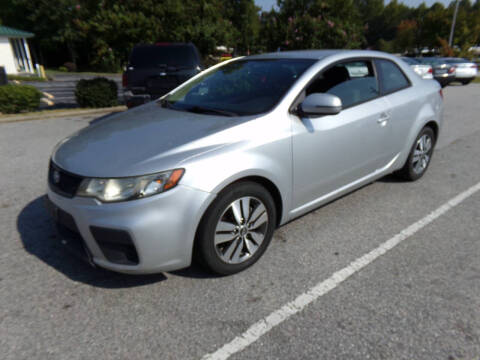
(241, 230)
(421, 154)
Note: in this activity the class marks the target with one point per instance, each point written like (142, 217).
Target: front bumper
(162, 227)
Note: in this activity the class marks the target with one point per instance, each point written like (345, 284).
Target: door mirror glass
(321, 104)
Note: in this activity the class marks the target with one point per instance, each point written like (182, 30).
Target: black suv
(154, 70)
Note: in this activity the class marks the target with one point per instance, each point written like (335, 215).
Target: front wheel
(466, 82)
(236, 229)
(420, 155)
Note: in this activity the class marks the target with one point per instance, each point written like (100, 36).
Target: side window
(392, 78)
(353, 82)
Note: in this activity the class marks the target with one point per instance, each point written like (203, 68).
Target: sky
(267, 4)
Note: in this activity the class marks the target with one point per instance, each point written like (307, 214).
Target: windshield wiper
(197, 109)
(205, 110)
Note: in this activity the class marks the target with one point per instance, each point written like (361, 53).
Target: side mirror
(321, 104)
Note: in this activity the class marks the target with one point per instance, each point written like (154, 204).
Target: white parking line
(266, 324)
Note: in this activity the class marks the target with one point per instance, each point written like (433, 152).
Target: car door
(404, 101)
(333, 151)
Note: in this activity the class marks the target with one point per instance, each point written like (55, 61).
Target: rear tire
(236, 229)
(420, 155)
(466, 82)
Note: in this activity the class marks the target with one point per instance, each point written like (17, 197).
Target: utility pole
(452, 30)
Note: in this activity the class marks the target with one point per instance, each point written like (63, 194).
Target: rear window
(456, 61)
(428, 61)
(410, 61)
(392, 78)
(163, 55)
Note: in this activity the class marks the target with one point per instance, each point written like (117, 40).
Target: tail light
(474, 66)
(430, 70)
(124, 80)
(441, 93)
(451, 70)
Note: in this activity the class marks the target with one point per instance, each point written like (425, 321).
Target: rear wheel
(420, 155)
(466, 82)
(236, 229)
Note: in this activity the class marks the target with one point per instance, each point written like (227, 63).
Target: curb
(68, 113)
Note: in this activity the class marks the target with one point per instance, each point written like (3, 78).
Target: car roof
(318, 54)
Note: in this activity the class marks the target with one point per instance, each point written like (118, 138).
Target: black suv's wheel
(236, 229)
(420, 155)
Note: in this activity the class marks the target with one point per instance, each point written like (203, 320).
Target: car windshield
(150, 56)
(410, 61)
(243, 87)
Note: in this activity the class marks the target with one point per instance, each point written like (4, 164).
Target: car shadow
(196, 271)
(39, 237)
(391, 178)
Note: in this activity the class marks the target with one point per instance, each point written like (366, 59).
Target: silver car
(465, 70)
(209, 171)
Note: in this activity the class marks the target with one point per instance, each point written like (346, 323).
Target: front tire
(236, 229)
(466, 82)
(420, 155)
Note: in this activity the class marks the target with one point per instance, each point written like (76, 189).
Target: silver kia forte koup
(210, 170)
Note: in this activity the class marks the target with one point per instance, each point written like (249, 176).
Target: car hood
(140, 141)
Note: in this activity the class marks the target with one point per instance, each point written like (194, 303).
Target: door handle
(382, 120)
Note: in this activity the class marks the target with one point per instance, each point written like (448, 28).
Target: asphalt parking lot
(418, 300)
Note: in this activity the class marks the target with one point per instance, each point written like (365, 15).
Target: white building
(14, 52)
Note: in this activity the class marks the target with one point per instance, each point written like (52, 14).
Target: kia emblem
(56, 177)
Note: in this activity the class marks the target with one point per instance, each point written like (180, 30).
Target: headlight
(121, 189)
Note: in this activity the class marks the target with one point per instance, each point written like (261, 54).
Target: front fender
(214, 172)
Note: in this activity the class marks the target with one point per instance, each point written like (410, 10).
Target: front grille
(63, 182)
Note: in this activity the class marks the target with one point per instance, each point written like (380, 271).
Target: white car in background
(465, 70)
(425, 71)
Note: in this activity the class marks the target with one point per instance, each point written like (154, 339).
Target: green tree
(319, 24)
(245, 20)
(371, 13)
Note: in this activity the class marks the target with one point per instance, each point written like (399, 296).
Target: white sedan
(465, 70)
(425, 71)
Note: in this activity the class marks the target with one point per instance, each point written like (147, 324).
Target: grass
(25, 78)
(476, 80)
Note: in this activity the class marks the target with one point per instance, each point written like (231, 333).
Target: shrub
(70, 66)
(19, 98)
(63, 69)
(98, 92)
